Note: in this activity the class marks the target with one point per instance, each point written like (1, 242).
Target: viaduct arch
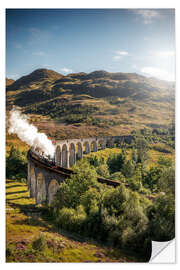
(44, 180)
(68, 151)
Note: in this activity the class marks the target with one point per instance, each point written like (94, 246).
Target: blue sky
(84, 40)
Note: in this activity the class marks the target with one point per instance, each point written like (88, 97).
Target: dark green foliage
(118, 176)
(128, 169)
(162, 216)
(152, 177)
(116, 162)
(135, 182)
(102, 170)
(71, 219)
(91, 200)
(166, 182)
(142, 148)
(127, 216)
(16, 164)
(114, 199)
(94, 161)
(40, 243)
(167, 162)
(163, 171)
(70, 191)
(57, 109)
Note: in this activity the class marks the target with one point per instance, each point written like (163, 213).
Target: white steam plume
(28, 133)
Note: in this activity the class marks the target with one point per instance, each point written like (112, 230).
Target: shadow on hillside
(16, 192)
(14, 186)
(41, 216)
(24, 208)
(18, 198)
(32, 221)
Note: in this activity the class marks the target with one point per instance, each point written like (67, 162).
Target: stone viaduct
(44, 179)
(68, 151)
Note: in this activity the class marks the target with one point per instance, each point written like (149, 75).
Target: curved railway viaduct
(44, 179)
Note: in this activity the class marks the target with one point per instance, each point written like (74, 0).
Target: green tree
(166, 181)
(102, 170)
(115, 162)
(16, 164)
(114, 199)
(152, 177)
(162, 216)
(142, 148)
(135, 182)
(128, 169)
(90, 200)
(167, 162)
(118, 176)
(69, 192)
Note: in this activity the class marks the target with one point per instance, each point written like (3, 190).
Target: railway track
(41, 161)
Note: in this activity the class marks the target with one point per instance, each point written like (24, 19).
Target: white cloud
(120, 54)
(164, 54)
(158, 73)
(147, 15)
(117, 57)
(38, 53)
(66, 70)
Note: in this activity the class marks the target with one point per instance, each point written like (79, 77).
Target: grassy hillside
(25, 223)
(98, 103)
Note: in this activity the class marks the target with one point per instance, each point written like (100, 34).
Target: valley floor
(25, 222)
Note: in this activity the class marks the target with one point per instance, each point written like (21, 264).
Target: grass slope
(25, 222)
(99, 103)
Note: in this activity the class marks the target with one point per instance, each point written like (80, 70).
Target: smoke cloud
(18, 124)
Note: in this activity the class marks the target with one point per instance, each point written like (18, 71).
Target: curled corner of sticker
(163, 252)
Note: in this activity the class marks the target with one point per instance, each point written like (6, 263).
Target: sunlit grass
(23, 227)
(153, 155)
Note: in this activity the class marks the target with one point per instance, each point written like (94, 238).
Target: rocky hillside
(95, 103)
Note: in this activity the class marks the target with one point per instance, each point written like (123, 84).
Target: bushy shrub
(166, 181)
(167, 162)
(114, 199)
(162, 215)
(71, 219)
(122, 216)
(9, 251)
(128, 169)
(90, 199)
(69, 193)
(128, 237)
(135, 182)
(94, 161)
(16, 164)
(39, 243)
(152, 177)
(115, 162)
(118, 176)
(102, 170)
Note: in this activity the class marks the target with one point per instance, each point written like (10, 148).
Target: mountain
(93, 103)
(36, 78)
(9, 81)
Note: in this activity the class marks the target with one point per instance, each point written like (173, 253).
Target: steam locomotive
(38, 155)
(42, 156)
